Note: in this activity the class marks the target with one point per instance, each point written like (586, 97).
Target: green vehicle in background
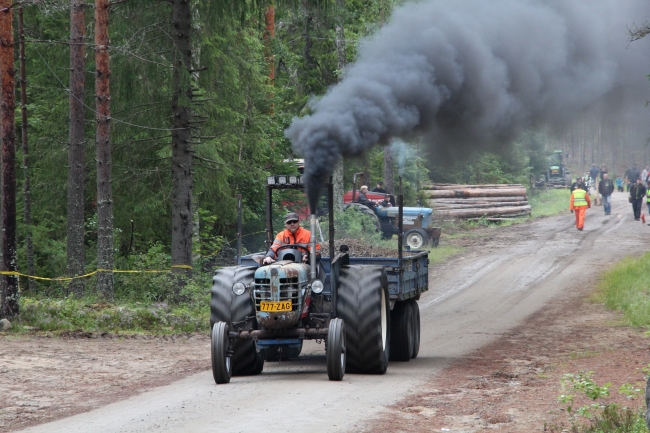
(557, 174)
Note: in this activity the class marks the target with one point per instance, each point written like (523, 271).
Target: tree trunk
(269, 18)
(182, 141)
(76, 149)
(477, 192)
(104, 163)
(337, 175)
(8, 181)
(27, 200)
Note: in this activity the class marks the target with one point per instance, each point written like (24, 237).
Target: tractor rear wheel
(363, 304)
(415, 320)
(401, 336)
(364, 210)
(227, 307)
(220, 359)
(336, 349)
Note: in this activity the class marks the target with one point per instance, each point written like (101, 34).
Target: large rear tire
(227, 307)
(336, 350)
(401, 335)
(219, 343)
(415, 320)
(363, 304)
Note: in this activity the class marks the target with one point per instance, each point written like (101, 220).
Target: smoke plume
(477, 73)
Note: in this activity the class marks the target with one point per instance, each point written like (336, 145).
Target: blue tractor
(364, 309)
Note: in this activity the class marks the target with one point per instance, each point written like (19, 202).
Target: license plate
(554, 171)
(275, 306)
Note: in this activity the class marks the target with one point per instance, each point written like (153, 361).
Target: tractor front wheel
(416, 238)
(336, 350)
(221, 370)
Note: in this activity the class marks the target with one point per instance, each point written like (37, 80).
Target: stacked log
(495, 202)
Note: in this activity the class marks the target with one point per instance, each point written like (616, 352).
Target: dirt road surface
(503, 278)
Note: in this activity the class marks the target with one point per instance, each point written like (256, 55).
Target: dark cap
(291, 216)
(380, 183)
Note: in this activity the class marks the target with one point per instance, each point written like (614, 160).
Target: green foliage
(625, 288)
(143, 308)
(600, 416)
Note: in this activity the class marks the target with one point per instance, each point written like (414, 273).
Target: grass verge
(549, 202)
(443, 252)
(625, 288)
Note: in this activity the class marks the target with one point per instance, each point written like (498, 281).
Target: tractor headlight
(238, 288)
(282, 180)
(270, 180)
(293, 180)
(317, 286)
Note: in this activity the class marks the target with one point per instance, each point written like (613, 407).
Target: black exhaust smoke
(477, 73)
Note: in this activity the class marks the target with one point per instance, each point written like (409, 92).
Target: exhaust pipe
(312, 247)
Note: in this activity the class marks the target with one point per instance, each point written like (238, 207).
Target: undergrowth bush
(599, 416)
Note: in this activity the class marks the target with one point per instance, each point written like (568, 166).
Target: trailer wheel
(363, 304)
(219, 343)
(336, 349)
(401, 337)
(416, 238)
(364, 210)
(415, 321)
(227, 307)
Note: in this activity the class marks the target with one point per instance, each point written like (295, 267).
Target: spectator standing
(379, 188)
(579, 183)
(593, 173)
(579, 204)
(644, 176)
(603, 171)
(619, 184)
(606, 188)
(637, 192)
(633, 175)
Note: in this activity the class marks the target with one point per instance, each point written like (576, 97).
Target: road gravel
(474, 298)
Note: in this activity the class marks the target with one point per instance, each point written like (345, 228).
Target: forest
(137, 123)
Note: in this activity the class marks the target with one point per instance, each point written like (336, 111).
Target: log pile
(493, 202)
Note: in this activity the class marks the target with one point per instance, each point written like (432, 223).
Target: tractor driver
(292, 234)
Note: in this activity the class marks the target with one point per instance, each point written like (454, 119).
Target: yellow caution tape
(90, 274)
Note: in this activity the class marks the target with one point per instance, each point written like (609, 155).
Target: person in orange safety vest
(579, 204)
(292, 234)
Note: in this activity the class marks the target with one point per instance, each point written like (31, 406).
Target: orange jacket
(285, 237)
(571, 207)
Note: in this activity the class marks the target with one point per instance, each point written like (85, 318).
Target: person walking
(606, 188)
(579, 204)
(637, 192)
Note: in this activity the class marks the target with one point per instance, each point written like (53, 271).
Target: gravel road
(473, 299)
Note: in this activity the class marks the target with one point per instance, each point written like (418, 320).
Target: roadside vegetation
(623, 288)
(591, 410)
(548, 202)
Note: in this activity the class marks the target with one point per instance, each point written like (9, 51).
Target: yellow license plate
(273, 307)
